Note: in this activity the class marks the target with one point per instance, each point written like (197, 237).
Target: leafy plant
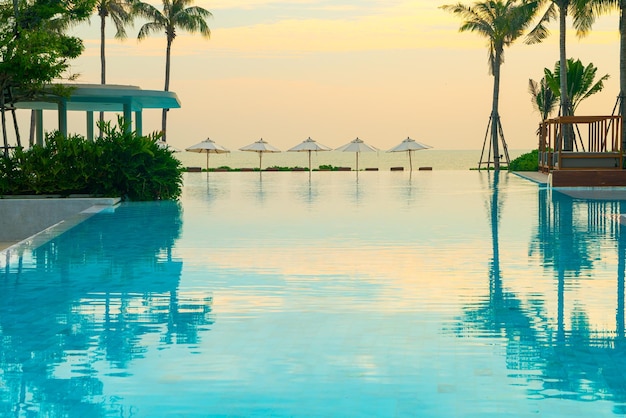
(581, 81)
(526, 162)
(121, 163)
(544, 100)
(135, 167)
(34, 51)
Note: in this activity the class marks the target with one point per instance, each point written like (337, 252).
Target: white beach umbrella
(309, 145)
(207, 146)
(409, 145)
(357, 146)
(261, 147)
(164, 145)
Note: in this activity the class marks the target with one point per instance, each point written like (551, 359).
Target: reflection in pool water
(435, 294)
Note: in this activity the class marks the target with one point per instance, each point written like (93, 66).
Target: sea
(383, 160)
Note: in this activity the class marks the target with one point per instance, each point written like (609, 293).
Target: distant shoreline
(381, 160)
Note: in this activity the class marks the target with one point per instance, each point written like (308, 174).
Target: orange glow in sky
(334, 70)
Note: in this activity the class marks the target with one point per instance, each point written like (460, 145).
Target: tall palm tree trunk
(103, 65)
(495, 286)
(567, 140)
(622, 67)
(168, 52)
(495, 116)
(621, 277)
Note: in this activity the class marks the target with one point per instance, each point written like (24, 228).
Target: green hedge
(526, 162)
(120, 164)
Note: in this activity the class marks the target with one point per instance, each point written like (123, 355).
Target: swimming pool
(436, 294)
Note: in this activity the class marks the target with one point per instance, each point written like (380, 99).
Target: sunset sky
(333, 70)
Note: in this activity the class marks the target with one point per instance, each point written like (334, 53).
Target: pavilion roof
(107, 98)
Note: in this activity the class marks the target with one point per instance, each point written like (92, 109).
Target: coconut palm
(120, 13)
(599, 7)
(582, 20)
(501, 22)
(176, 14)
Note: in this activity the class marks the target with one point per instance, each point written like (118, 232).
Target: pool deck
(535, 176)
(26, 216)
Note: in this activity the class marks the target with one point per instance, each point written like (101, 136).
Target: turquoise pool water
(440, 294)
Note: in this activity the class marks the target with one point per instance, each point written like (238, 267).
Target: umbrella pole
(309, 161)
(410, 161)
(357, 161)
(260, 159)
(207, 162)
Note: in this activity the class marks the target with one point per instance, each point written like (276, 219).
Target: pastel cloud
(376, 25)
(408, 25)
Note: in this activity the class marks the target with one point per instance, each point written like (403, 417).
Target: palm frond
(544, 101)
(149, 28)
(541, 31)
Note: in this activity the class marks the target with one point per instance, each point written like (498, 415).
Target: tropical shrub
(135, 167)
(526, 162)
(120, 164)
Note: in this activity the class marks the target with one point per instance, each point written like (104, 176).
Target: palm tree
(119, 12)
(543, 98)
(581, 85)
(582, 19)
(581, 82)
(175, 14)
(599, 7)
(501, 22)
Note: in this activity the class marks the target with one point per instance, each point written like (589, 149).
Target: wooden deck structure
(594, 157)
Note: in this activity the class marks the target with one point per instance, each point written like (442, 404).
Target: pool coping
(57, 228)
(534, 176)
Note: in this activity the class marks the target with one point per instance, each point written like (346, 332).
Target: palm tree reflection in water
(579, 363)
(95, 300)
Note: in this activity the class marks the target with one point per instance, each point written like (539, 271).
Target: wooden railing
(595, 143)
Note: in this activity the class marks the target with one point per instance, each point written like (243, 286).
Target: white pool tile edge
(57, 229)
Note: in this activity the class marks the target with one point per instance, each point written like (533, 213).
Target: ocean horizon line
(383, 160)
